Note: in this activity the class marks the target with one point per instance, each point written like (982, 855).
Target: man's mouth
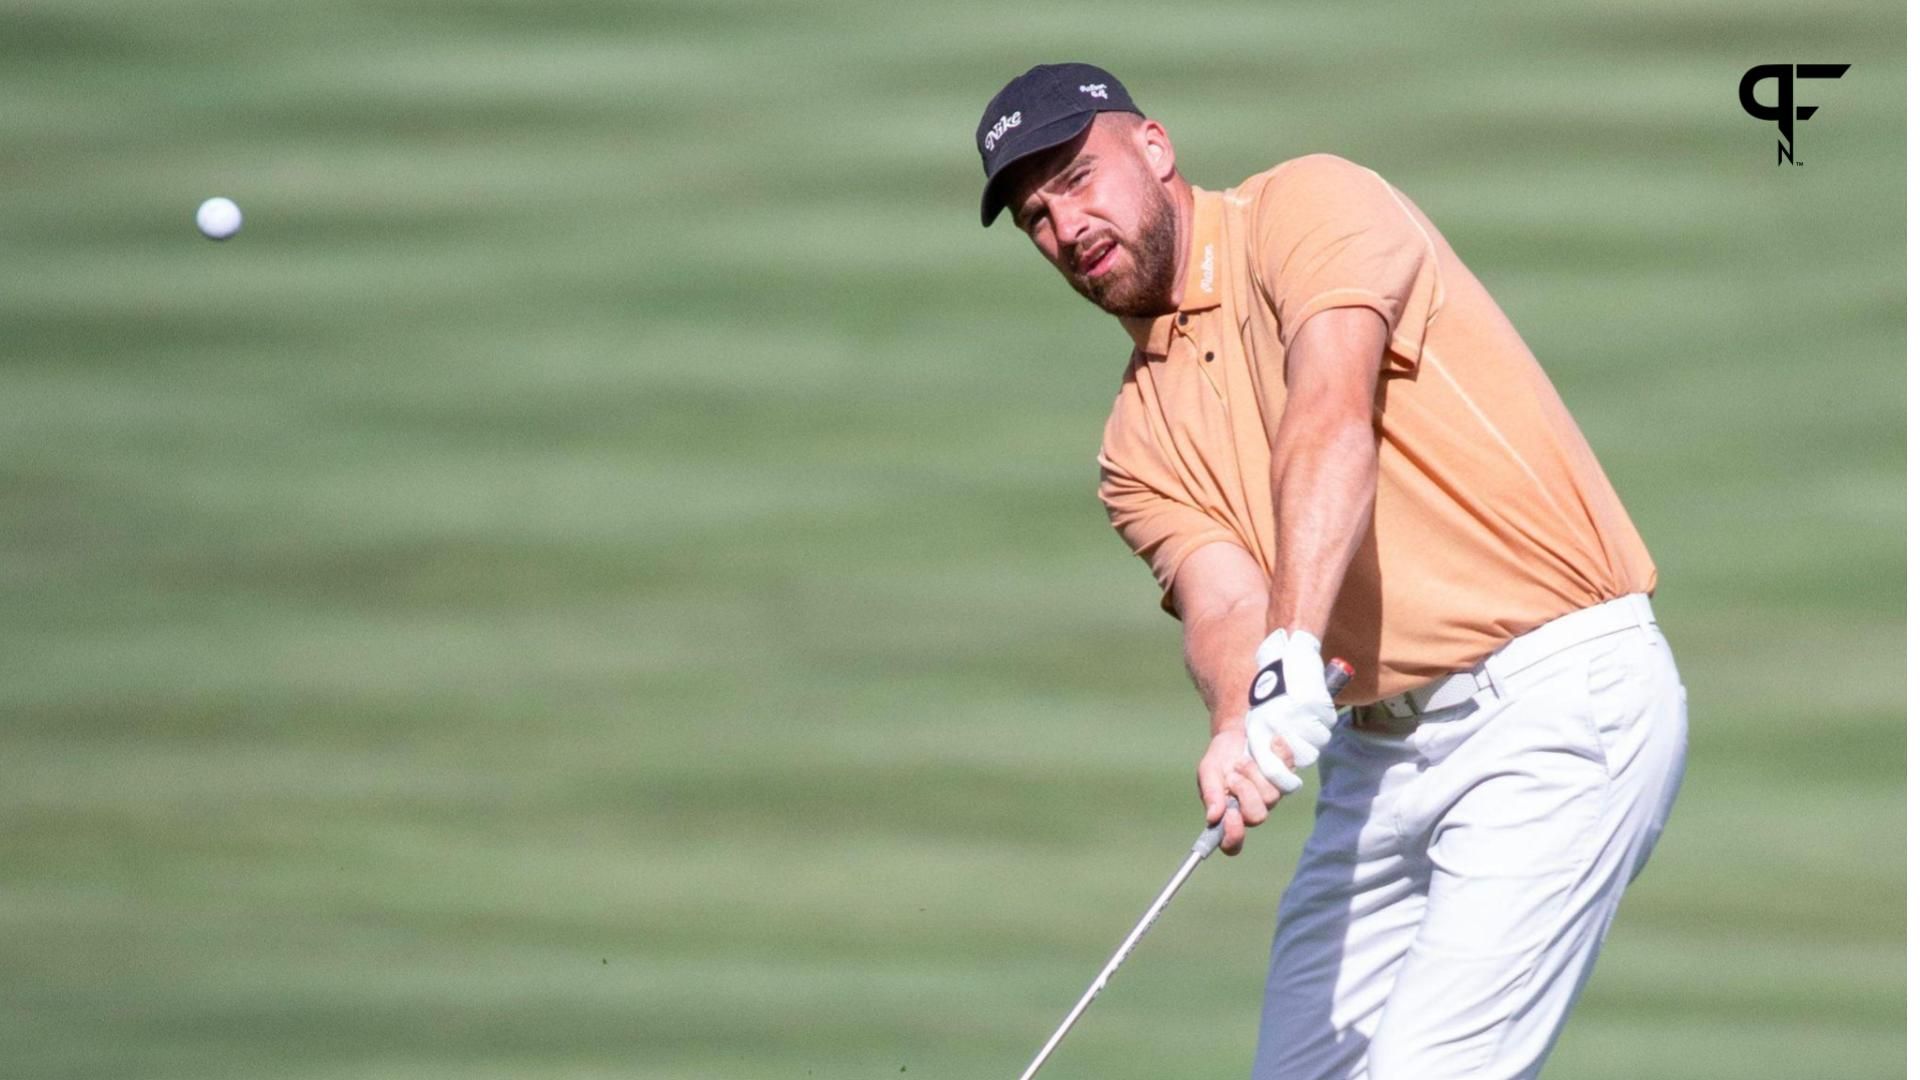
(1097, 259)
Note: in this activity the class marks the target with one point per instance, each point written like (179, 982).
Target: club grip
(1339, 674)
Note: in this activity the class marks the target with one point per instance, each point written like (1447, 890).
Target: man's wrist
(1235, 723)
(1287, 633)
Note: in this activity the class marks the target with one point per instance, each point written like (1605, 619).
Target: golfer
(1329, 442)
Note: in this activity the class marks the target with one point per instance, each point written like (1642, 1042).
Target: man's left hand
(1290, 715)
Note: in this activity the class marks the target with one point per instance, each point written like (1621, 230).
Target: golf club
(1338, 673)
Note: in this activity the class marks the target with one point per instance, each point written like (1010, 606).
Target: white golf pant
(1460, 878)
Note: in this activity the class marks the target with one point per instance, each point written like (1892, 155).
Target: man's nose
(1069, 223)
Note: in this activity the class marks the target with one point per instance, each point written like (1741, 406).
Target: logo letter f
(1782, 112)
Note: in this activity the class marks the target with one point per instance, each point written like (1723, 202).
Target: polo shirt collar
(1206, 256)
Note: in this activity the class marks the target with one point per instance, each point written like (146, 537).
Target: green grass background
(601, 577)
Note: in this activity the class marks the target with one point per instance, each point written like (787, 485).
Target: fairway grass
(601, 577)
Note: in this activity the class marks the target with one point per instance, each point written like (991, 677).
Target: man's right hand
(1227, 769)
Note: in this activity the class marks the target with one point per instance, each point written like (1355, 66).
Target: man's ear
(1156, 149)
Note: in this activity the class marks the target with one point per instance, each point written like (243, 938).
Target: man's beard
(1147, 289)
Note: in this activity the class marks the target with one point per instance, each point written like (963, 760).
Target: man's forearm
(1219, 654)
(1324, 473)
(1326, 464)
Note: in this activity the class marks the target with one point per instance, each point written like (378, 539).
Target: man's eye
(1079, 177)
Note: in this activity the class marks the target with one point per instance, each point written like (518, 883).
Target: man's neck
(1183, 237)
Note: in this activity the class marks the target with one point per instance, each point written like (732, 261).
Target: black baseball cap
(1049, 105)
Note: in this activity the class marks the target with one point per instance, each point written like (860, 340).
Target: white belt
(1402, 712)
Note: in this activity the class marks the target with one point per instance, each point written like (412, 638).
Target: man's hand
(1226, 769)
(1290, 714)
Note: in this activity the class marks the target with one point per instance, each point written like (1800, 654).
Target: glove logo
(1266, 685)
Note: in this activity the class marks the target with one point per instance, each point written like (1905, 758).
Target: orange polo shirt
(1492, 515)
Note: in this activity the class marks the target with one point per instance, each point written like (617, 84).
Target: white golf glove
(1288, 700)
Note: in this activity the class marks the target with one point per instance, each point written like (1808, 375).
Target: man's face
(1098, 213)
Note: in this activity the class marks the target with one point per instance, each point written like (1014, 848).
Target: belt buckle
(1396, 715)
(1400, 706)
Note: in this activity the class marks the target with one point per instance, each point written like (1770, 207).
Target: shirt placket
(1194, 330)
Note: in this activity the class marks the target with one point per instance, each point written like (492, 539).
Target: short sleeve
(1156, 525)
(1332, 234)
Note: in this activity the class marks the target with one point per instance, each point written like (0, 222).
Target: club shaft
(1337, 674)
(1100, 982)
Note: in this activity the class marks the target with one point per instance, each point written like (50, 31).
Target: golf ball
(218, 218)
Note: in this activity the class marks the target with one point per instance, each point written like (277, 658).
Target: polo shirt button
(1183, 319)
(1209, 356)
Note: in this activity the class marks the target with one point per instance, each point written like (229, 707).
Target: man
(1329, 433)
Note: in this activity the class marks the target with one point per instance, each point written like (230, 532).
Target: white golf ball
(218, 218)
